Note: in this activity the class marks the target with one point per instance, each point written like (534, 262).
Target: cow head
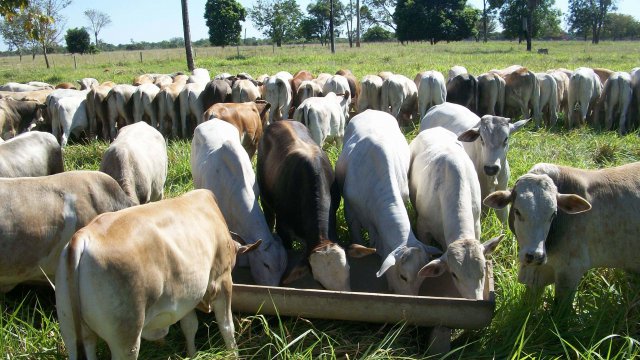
(268, 262)
(402, 266)
(465, 261)
(493, 133)
(535, 201)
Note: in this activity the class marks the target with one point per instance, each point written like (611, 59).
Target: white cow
(308, 89)
(120, 113)
(199, 75)
(69, 115)
(278, 94)
(131, 274)
(444, 191)
(616, 96)
(569, 220)
(191, 105)
(432, 91)
(324, 116)
(585, 89)
(399, 97)
(220, 163)
(548, 99)
(370, 92)
(30, 154)
(244, 90)
(372, 174)
(635, 84)
(87, 83)
(562, 82)
(168, 104)
(144, 106)
(486, 141)
(17, 87)
(339, 85)
(137, 159)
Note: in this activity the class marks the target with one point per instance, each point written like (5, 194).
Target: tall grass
(605, 322)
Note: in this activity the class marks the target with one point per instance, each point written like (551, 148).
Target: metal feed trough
(439, 305)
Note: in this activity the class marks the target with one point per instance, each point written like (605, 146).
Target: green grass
(606, 319)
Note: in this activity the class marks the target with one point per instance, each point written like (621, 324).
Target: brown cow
(298, 78)
(249, 118)
(17, 116)
(97, 110)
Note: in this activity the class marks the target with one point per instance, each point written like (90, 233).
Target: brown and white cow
(31, 154)
(249, 118)
(44, 212)
(169, 106)
(137, 160)
(299, 194)
(131, 274)
(569, 220)
(521, 92)
(562, 83)
(307, 89)
(17, 117)
(295, 82)
(98, 111)
(354, 86)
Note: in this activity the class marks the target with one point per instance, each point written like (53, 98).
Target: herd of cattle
(127, 265)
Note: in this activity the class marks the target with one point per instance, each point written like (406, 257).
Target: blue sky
(147, 20)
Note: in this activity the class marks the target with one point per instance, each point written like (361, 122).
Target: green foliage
(434, 20)
(379, 12)
(546, 18)
(588, 17)
(277, 19)
(377, 33)
(223, 19)
(78, 40)
(621, 26)
(316, 24)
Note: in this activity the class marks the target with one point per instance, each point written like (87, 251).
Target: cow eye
(455, 277)
(404, 278)
(517, 212)
(506, 142)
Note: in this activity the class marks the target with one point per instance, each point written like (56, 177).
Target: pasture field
(605, 323)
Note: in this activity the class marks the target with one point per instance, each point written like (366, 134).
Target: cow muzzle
(535, 258)
(491, 170)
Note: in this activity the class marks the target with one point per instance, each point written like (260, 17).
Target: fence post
(140, 56)
(75, 64)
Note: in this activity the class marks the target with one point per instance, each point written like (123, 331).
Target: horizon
(126, 19)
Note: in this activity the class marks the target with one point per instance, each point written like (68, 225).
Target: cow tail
(535, 98)
(282, 102)
(69, 262)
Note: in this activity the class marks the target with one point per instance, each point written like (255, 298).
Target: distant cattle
(399, 97)
(339, 85)
(370, 92)
(491, 88)
(44, 213)
(548, 99)
(585, 89)
(279, 95)
(31, 154)
(324, 117)
(444, 191)
(372, 173)
(131, 274)
(486, 141)
(616, 99)
(144, 105)
(220, 164)
(569, 220)
(432, 90)
(137, 160)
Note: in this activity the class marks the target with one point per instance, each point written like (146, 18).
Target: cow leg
(624, 109)
(566, 282)
(189, 326)
(608, 110)
(222, 310)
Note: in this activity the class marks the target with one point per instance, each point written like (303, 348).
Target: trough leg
(439, 340)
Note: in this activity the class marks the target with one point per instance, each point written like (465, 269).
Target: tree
(620, 26)
(526, 18)
(377, 33)
(316, 24)
(380, 12)
(434, 20)
(48, 23)
(187, 35)
(486, 26)
(78, 40)
(223, 19)
(14, 34)
(98, 20)
(589, 14)
(277, 19)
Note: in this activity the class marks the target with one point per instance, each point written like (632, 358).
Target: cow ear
(517, 125)
(388, 262)
(572, 204)
(298, 272)
(358, 251)
(237, 238)
(469, 135)
(243, 249)
(490, 245)
(498, 199)
(434, 268)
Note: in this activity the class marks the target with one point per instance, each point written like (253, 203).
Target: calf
(220, 164)
(371, 90)
(486, 141)
(137, 160)
(44, 212)
(399, 97)
(299, 194)
(431, 90)
(616, 97)
(324, 117)
(490, 94)
(372, 175)
(548, 99)
(31, 154)
(17, 117)
(463, 89)
(444, 191)
(569, 220)
(249, 118)
(131, 274)
(585, 89)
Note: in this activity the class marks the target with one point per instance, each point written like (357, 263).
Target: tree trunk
(44, 52)
(357, 23)
(484, 21)
(96, 35)
(529, 28)
(333, 45)
(187, 35)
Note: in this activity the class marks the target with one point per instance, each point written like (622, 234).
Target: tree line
(35, 26)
